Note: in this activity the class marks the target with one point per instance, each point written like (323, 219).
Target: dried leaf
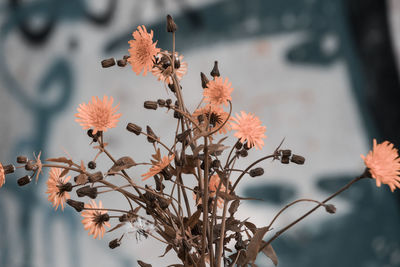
(234, 206)
(83, 168)
(64, 172)
(122, 164)
(251, 227)
(190, 165)
(254, 245)
(216, 149)
(197, 150)
(227, 196)
(194, 219)
(143, 264)
(222, 140)
(167, 249)
(270, 253)
(81, 179)
(62, 160)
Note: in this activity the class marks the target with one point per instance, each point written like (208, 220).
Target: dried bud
(215, 70)
(9, 169)
(298, 159)
(159, 185)
(286, 152)
(94, 177)
(114, 243)
(168, 102)
(163, 203)
(77, 205)
(171, 87)
(204, 80)
(243, 153)
(238, 145)
(31, 165)
(123, 218)
(161, 102)
(246, 146)
(166, 174)
(215, 164)
(330, 208)
(200, 118)
(87, 191)
(149, 196)
(133, 128)
(285, 160)
(90, 133)
(126, 56)
(152, 137)
(256, 172)
(65, 187)
(171, 26)
(24, 180)
(150, 105)
(177, 115)
(121, 62)
(92, 165)
(106, 63)
(22, 159)
(182, 137)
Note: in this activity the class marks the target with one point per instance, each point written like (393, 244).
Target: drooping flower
(383, 162)
(163, 70)
(2, 175)
(218, 91)
(142, 50)
(58, 188)
(215, 115)
(95, 219)
(158, 167)
(98, 114)
(249, 129)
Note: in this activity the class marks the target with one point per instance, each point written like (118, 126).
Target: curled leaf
(62, 160)
(122, 164)
(270, 253)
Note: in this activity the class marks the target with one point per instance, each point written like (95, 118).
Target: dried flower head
(98, 114)
(57, 188)
(218, 91)
(249, 129)
(215, 115)
(142, 50)
(158, 167)
(163, 69)
(2, 175)
(95, 218)
(383, 162)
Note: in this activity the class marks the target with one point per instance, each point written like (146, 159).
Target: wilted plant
(202, 231)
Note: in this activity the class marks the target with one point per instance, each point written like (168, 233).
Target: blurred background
(323, 74)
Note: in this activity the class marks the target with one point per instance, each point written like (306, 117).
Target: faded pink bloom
(215, 115)
(95, 218)
(2, 175)
(142, 50)
(57, 188)
(249, 129)
(158, 167)
(218, 91)
(98, 114)
(383, 163)
(213, 184)
(164, 74)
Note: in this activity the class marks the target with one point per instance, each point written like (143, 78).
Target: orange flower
(2, 175)
(383, 163)
(215, 115)
(163, 71)
(95, 219)
(218, 91)
(142, 50)
(213, 184)
(249, 128)
(98, 114)
(158, 167)
(57, 188)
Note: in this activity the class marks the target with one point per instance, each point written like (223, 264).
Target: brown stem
(205, 201)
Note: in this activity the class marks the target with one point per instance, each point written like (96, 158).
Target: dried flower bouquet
(202, 231)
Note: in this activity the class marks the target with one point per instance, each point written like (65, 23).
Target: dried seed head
(99, 219)
(150, 105)
(122, 62)
(92, 165)
(243, 153)
(114, 243)
(238, 145)
(94, 177)
(31, 165)
(133, 128)
(22, 159)
(123, 218)
(215, 70)
(330, 208)
(9, 169)
(163, 203)
(90, 133)
(256, 172)
(24, 180)
(246, 146)
(285, 160)
(87, 191)
(298, 159)
(171, 26)
(77, 205)
(65, 187)
(168, 102)
(204, 80)
(152, 137)
(126, 56)
(286, 152)
(161, 102)
(106, 63)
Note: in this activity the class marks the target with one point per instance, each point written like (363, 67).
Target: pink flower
(163, 71)
(215, 115)
(2, 175)
(95, 218)
(57, 188)
(218, 91)
(249, 129)
(158, 167)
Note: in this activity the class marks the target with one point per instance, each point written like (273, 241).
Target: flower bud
(121, 62)
(77, 205)
(24, 180)
(330, 208)
(298, 159)
(204, 80)
(243, 153)
(9, 169)
(163, 203)
(133, 128)
(152, 137)
(171, 26)
(31, 165)
(87, 191)
(161, 102)
(215, 70)
(94, 177)
(168, 102)
(285, 160)
(92, 165)
(159, 185)
(106, 63)
(286, 152)
(90, 133)
(22, 159)
(150, 105)
(256, 172)
(114, 243)
(238, 145)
